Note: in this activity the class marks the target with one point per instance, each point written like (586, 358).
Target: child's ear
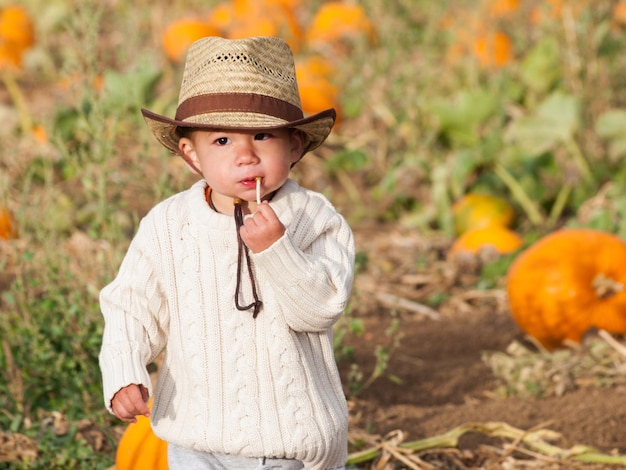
(188, 152)
(297, 145)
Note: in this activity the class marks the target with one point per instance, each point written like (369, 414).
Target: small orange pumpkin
(139, 447)
(502, 8)
(180, 34)
(17, 27)
(335, 21)
(493, 49)
(10, 56)
(475, 210)
(8, 227)
(245, 18)
(568, 282)
(317, 91)
(17, 34)
(500, 239)
(619, 13)
(222, 16)
(40, 134)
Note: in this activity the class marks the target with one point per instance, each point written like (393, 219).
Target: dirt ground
(444, 381)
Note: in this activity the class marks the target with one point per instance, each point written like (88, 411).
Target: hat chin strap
(242, 249)
(191, 165)
(242, 252)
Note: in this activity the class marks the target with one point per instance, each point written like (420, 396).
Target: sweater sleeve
(311, 270)
(134, 312)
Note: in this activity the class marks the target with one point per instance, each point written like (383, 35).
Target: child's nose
(246, 154)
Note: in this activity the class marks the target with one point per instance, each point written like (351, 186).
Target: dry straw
(243, 84)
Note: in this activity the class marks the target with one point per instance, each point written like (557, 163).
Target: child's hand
(130, 402)
(262, 229)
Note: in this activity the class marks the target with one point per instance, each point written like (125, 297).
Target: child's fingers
(262, 229)
(266, 210)
(130, 402)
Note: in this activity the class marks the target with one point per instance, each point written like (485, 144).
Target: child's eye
(262, 136)
(222, 141)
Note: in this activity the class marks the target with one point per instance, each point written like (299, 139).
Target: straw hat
(240, 84)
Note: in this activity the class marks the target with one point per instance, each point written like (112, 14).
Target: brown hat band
(238, 102)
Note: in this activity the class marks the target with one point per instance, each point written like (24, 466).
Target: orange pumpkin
(568, 282)
(180, 34)
(335, 21)
(619, 13)
(222, 16)
(502, 8)
(17, 34)
(493, 49)
(245, 18)
(16, 27)
(500, 239)
(475, 210)
(10, 56)
(139, 447)
(40, 134)
(8, 227)
(317, 91)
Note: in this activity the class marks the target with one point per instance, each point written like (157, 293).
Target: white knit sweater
(264, 387)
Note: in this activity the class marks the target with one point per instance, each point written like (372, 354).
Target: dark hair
(181, 131)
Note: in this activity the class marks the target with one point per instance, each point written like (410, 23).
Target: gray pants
(180, 458)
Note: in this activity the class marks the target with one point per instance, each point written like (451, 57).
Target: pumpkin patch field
(479, 155)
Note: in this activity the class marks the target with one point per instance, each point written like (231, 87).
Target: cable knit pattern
(264, 387)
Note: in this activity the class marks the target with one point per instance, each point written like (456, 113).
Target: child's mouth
(251, 181)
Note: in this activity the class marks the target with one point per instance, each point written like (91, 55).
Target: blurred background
(454, 117)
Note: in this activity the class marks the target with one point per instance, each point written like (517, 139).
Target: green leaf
(464, 163)
(555, 121)
(352, 160)
(459, 118)
(441, 198)
(131, 89)
(617, 148)
(611, 125)
(540, 69)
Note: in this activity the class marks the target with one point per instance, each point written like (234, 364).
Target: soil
(441, 380)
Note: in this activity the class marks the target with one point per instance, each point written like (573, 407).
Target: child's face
(231, 160)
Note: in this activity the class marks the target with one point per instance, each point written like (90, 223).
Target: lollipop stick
(258, 189)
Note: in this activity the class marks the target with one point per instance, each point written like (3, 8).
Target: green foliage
(386, 344)
(493, 273)
(50, 337)
(611, 126)
(51, 334)
(553, 122)
(461, 116)
(540, 70)
(543, 130)
(76, 453)
(607, 211)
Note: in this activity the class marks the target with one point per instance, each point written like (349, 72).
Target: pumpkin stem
(606, 287)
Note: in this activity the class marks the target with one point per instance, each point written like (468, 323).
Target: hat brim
(316, 127)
